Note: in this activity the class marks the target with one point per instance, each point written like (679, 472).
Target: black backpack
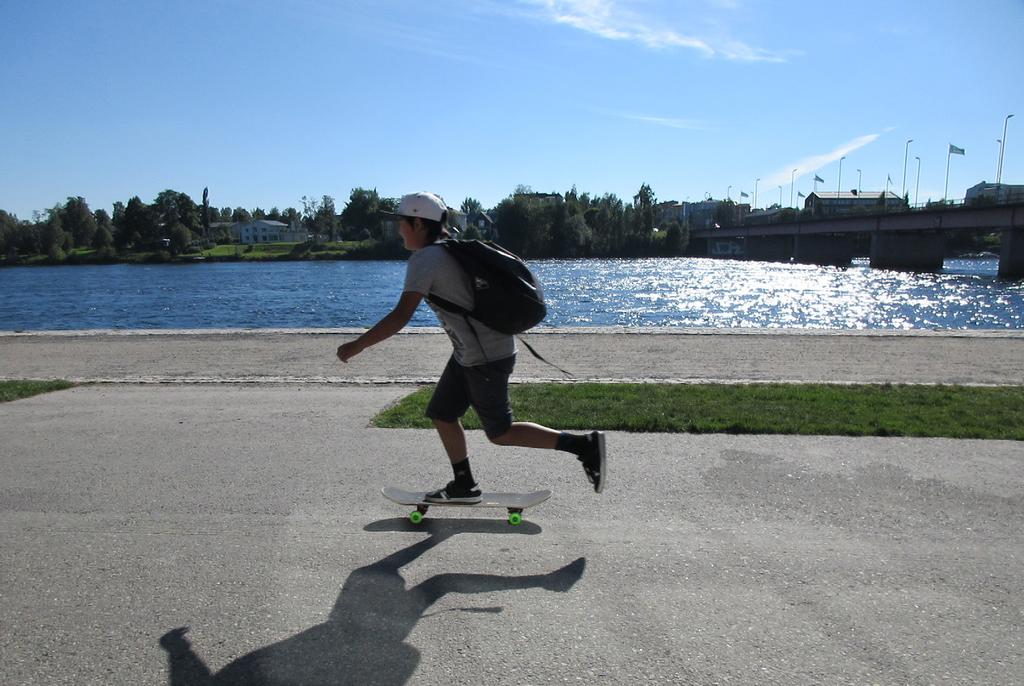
(507, 297)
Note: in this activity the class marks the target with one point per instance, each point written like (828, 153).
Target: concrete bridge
(913, 240)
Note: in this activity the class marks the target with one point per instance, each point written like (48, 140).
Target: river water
(666, 292)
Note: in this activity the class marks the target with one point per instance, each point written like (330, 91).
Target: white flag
(953, 150)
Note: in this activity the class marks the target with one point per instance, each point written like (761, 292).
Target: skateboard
(515, 503)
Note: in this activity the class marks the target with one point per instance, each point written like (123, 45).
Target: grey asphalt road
(251, 514)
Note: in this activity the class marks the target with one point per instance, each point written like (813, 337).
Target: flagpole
(1002, 144)
(906, 151)
(945, 192)
(792, 182)
(839, 182)
(917, 187)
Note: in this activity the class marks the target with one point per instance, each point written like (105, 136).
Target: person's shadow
(363, 641)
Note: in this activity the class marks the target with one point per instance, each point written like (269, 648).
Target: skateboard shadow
(363, 640)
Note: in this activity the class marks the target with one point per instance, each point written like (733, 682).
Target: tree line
(532, 224)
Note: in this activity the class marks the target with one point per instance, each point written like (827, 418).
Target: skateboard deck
(515, 503)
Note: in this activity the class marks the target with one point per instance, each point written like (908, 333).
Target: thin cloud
(813, 163)
(670, 122)
(608, 19)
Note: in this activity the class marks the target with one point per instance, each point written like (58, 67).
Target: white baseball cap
(424, 205)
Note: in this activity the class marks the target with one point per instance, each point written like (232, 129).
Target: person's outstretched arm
(392, 323)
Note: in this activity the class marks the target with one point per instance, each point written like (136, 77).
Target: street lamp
(1002, 145)
(792, 182)
(755, 192)
(859, 175)
(839, 184)
(780, 197)
(906, 150)
(728, 193)
(917, 186)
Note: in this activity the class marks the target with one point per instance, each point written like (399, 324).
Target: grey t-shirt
(432, 271)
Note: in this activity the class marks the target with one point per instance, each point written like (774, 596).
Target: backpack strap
(538, 356)
(521, 340)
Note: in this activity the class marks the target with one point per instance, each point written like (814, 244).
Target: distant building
(701, 215)
(266, 231)
(832, 204)
(698, 215)
(484, 224)
(665, 212)
(999, 194)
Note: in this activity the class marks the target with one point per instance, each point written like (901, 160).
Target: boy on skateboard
(482, 359)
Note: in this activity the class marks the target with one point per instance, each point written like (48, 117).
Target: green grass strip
(803, 409)
(16, 390)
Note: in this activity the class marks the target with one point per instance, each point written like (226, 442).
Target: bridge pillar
(728, 248)
(1011, 258)
(835, 249)
(769, 248)
(919, 251)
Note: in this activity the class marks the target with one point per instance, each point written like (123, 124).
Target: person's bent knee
(504, 438)
(444, 422)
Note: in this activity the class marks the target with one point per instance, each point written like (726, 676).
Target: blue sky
(266, 101)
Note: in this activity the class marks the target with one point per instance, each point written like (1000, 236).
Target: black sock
(463, 474)
(570, 443)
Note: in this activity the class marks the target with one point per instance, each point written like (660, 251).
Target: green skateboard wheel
(415, 516)
(515, 519)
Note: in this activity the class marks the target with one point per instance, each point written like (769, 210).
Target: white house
(267, 231)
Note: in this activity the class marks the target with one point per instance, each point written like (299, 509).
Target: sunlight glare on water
(695, 292)
(667, 292)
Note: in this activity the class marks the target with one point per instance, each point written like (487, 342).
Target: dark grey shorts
(484, 387)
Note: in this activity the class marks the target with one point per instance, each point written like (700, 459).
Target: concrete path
(415, 356)
(251, 515)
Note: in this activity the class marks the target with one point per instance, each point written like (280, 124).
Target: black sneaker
(454, 492)
(595, 461)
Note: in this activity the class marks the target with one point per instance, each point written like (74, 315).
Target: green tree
(8, 234)
(512, 218)
(320, 218)
(606, 219)
(78, 221)
(291, 216)
(206, 213)
(138, 225)
(677, 237)
(573, 238)
(362, 213)
(104, 238)
(526, 224)
(471, 206)
(181, 238)
(173, 207)
(641, 221)
(53, 238)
